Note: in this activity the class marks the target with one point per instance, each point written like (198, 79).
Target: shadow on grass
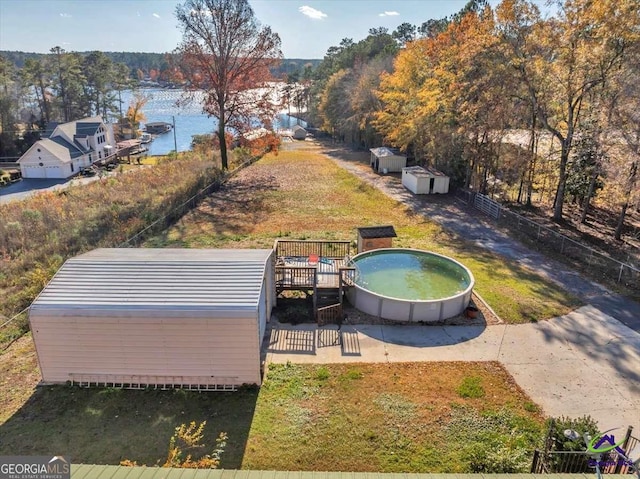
(106, 426)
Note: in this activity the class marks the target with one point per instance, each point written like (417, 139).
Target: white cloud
(66, 15)
(156, 15)
(312, 12)
(392, 13)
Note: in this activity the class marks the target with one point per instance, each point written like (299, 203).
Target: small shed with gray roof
(424, 181)
(387, 160)
(375, 237)
(135, 318)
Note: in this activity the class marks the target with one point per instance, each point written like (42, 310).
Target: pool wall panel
(410, 310)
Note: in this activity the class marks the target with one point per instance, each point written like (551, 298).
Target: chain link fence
(599, 265)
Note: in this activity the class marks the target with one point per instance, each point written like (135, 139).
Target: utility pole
(175, 142)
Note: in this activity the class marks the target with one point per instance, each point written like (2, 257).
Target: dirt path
(453, 214)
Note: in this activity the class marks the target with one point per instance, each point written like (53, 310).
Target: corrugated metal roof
(86, 471)
(383, 151)
(134, 281)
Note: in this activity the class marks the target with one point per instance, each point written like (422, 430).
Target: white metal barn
(387, 160)
(156, 317)
(424, 181)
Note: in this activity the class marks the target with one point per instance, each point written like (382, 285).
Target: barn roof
(157, 282)
(377, 232)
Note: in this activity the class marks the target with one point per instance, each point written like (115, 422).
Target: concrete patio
(583, 363)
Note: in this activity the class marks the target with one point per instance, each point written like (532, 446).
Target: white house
(387, 160)
(66, 148)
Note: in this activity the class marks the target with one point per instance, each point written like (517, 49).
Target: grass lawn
(302, 194)
(431, 417)
(409, 417)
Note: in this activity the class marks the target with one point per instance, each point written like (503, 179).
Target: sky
(307, 28)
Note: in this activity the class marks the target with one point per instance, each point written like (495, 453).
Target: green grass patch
(471, 387)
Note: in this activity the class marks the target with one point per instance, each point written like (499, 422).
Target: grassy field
(302, 194)
(431, 417)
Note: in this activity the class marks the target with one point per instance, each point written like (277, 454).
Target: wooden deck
(313, 266)
(325, 273)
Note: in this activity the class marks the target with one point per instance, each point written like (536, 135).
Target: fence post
(625, 445)
(538, 237)
(562, 246)
(620, 273)
(534, 462)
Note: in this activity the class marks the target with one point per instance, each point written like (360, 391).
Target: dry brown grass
(302, 194)
(382, 417)
(19, 375)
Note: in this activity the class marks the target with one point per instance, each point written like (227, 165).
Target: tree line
(505, 100)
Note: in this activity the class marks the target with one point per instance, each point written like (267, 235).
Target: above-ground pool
(410, 285)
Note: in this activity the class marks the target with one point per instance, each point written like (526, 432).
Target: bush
(322, 374)
(582, 425)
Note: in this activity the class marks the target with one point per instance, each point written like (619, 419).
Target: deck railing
(304, 248)
(296, 277)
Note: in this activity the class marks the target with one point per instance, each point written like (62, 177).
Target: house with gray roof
(67, 148)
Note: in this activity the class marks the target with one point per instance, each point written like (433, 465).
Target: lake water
(189, 119)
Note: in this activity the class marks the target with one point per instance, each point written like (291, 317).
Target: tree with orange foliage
(227, 53)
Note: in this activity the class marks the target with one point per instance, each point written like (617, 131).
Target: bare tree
(227, 53)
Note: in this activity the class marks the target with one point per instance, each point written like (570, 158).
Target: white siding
(163, 351)
(392, 164)
(155, 316)
(43, 164)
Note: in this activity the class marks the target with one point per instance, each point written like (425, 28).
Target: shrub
(322, 374)
(582, 425)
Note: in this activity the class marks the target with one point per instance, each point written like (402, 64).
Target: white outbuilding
(138, 317)
(424, 181)
(298, 133)
(387, 160)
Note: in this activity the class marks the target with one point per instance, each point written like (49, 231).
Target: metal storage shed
(424, 181)
(298, 132)
(155, 317)
(387, 160)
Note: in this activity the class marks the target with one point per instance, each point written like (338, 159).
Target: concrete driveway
(583, 363)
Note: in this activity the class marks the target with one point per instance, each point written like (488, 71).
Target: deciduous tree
(227, 53)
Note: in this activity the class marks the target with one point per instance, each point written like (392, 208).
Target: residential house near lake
(66, 148)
